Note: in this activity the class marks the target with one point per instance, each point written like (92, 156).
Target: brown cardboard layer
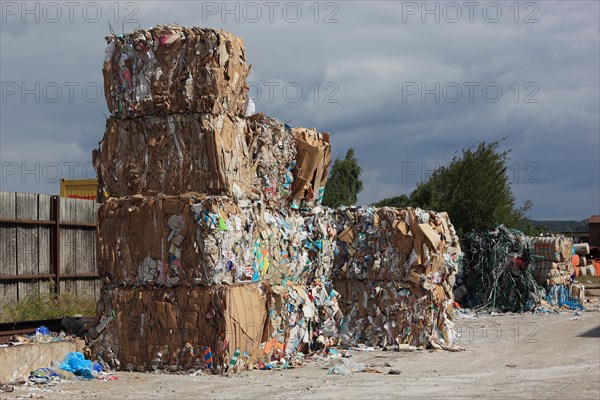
(549, 273)
(172, 154)
(172, 69)
(196, 239)
(312, 165)
(146, 328)
(398, 245)
(388, 313)
(196, 152)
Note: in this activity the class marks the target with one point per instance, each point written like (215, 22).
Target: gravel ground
(506, 356)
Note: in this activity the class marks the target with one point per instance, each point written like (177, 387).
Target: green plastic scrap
(498, 267)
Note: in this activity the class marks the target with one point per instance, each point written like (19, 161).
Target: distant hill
(563, 226)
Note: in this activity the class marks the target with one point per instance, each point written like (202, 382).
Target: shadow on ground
(594, 333)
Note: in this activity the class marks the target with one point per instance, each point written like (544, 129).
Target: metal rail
(10, 329)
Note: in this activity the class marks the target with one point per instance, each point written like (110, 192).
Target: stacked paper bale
(394, 271)
(196, 231)
(554, 266)
(212, 246)
(171, 69)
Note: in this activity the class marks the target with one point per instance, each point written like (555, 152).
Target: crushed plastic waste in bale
(507, 271)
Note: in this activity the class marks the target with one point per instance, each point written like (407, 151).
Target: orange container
(597, 267)
(576, 269)
(575, 260)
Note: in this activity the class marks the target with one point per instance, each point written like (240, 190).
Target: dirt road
(507, 356)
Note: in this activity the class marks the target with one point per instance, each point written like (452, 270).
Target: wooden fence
(47, 244)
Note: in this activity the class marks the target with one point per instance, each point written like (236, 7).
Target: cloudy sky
(406, 84)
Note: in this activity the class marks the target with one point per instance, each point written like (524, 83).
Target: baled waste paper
(213, 248)
(394, 270)
(172, 69)
(148, 328)
(197, 239)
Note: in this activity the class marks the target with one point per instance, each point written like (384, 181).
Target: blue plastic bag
(42, 330)
(76, 363)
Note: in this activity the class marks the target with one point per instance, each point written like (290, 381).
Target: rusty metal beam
(89, 275)
(17, 221)
(65, 224)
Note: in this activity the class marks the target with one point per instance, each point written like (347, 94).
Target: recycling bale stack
(213, 248)
(197, 233)
(394, 271)
(555, 266)
(505, 270)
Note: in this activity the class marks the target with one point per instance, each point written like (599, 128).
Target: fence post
(55, 241)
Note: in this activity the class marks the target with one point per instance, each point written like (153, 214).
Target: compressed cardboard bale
(311, 167)
(273, 151)
(301, 318)
(172, 154)
(399, 245)
(197, 152)
(380, 313)
(146, 328)
(196, 239)
(171, 69)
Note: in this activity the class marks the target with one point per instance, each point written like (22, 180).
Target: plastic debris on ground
(41, 335)
(74, 366)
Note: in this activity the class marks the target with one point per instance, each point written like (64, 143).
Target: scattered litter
(344, 366)
(6, 388)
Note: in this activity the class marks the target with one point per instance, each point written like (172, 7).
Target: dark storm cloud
(356, 74)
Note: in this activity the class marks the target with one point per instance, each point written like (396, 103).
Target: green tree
(474, 189)
(401, 201)
(343, 184)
